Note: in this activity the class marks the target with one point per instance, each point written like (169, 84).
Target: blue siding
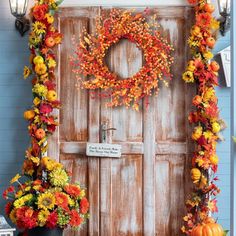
(223, 149)
(15, 97)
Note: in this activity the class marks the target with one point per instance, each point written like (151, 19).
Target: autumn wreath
(92, 49)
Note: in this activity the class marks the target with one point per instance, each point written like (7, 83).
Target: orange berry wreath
(91, 52)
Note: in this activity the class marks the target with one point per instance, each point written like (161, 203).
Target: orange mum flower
(84, 205)
(61, 200)
(72, 190)
(203, 20)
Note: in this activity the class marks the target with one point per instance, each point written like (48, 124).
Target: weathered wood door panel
(143, 192)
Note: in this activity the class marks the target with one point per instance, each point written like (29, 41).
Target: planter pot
(43, 231)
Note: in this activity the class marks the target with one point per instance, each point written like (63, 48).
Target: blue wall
(223, 148)
(15, 97)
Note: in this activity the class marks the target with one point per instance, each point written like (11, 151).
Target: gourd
(208, 229)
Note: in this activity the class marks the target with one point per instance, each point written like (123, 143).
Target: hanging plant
(92, 49)
(200, 70)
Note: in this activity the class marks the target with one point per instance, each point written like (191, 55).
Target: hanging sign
(103, 150)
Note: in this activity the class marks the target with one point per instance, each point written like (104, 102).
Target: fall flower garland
(91, 52)
(202, 201)
(46, 198)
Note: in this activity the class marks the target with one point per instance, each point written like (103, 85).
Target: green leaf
(234, 138)
(226, 232)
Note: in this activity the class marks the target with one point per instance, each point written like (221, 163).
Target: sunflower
(46, 201)
(58, 177)
(39, 27)
(12, 216)
(188, 77)
(26, 72)
(15, 179)
(34, 39)
(43, 216)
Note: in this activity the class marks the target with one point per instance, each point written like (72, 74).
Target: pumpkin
(40, 133)
(208, 229)
(216, 127)
(29, 114)
(209, 8)
(195, 175)
(210, 42)
(51, 95)
(40, 68)
(214, 66)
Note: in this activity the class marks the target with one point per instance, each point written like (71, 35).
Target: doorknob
(104, 131)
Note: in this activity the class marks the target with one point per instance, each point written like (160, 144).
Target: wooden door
(143, 192)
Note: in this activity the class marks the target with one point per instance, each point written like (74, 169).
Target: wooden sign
(103, 150)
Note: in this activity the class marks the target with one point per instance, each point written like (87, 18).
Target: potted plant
(48, 204)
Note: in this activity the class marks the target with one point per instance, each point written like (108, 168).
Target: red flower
(10, 189)
(52, 220)
(8, 208)
(39, 11)
(84, 205)
(45, 108)
(212, 110)
(51, 128)
(72, 190)
(50, 85)
(75, 219)
(192, 1)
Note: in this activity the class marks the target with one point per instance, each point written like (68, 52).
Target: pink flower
(45, 108)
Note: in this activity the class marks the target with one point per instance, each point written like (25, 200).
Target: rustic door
(143, 192)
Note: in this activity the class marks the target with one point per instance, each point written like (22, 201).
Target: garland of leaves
(204, 73)
(46, 197)
(91, 52)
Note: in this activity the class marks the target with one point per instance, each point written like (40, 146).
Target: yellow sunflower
(46, 201)
(26, 72)
(42, 217)
(15, 179)
(188, 76)
(39, 27)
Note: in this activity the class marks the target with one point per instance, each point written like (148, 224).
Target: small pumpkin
(51, 95)
(195, 175)
(29, 114)
(40, 133)
(214, 66)
(208, 229)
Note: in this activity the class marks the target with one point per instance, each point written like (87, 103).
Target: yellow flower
(35, 160)
(26, 72)
(46, 201)
(50, 18)
(34, 39)
(209, 94)
(51, 63)
(71, 201)
(216, 127)
(82, 193)
(215, 24)
(13, 216)
(19, 194)
(40, 89)
(27, 188)
(36, 101)
(188, 76)
(50, 164)
(42, 217)
(15, 179)
(19, 202)
(58, 177)
(197, 133)
(38, 27)
(36, 187)
(40, 68)
(208, 55)
(208, 134)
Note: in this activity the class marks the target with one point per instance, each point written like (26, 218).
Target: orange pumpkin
(40, 133)
(208, 229)
(214, 66)
(210, 42)
(209, 8)
(29, 114)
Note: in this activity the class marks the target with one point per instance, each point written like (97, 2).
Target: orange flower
(72, 190)
(61, 200)
(75, 219)
(39, 11)
(203, 20)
